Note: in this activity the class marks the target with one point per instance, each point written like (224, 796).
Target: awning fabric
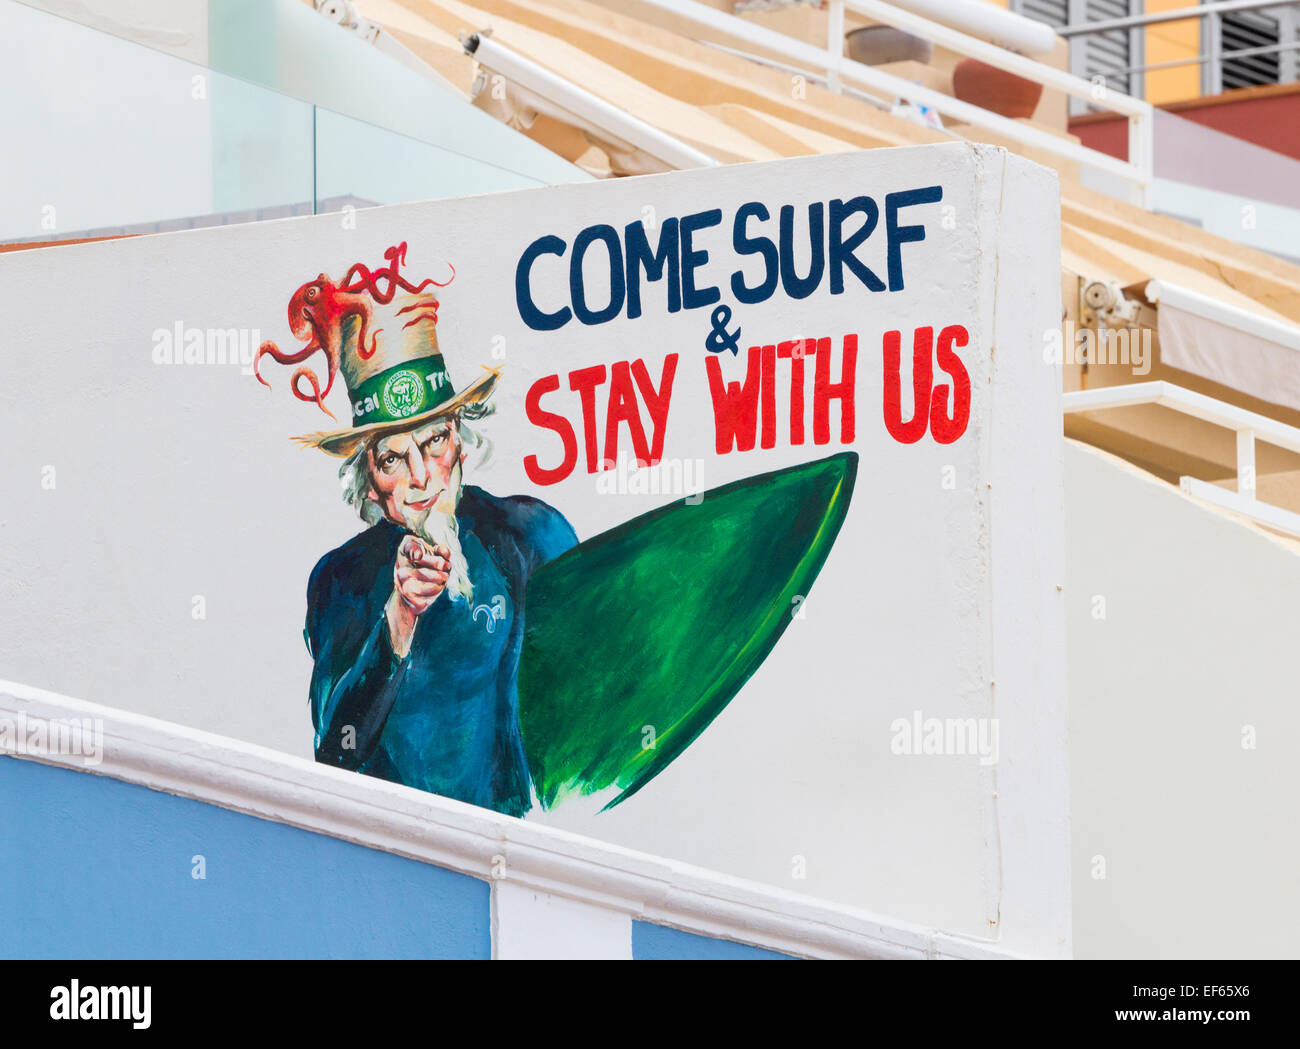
(1244, 351)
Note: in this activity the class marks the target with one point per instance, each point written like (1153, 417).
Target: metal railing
(1222, 7)
(831, 64)
(1248, 426)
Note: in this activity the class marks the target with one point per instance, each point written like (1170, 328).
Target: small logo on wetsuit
(493, 613)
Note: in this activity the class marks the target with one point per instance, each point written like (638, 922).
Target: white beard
(441, 529)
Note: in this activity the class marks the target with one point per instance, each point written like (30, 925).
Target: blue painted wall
(91, 867)
(660, 943)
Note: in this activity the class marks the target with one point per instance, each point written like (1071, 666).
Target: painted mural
(465, 642)
(646, 510)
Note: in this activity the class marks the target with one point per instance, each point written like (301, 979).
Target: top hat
(403, 382)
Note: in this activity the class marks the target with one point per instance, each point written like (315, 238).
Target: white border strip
(271, 785)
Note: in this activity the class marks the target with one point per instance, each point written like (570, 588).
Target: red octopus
(317, 311)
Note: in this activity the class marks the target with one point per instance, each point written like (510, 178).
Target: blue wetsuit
(446, 718)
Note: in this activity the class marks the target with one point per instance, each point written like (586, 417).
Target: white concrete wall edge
(1026, 534)
(265, 783)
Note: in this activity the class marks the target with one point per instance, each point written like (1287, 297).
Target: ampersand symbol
(719, 338)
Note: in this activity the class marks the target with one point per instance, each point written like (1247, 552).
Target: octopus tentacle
(430, 281)
(282, 356)
(360, 277)
(365, 280)
(316, 395)
(318, 309)
(363, 351)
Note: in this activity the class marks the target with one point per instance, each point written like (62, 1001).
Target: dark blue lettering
(743, 244)
(841, 250)
(640, 257)
(692, 297)
(795, 286)
(900, 235)
(532, 316)
(576, 285)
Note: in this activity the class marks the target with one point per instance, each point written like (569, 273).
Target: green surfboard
(636, 639)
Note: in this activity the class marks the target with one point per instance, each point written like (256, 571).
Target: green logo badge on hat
(403, 394)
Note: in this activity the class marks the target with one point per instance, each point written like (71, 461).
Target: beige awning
(1245, 350)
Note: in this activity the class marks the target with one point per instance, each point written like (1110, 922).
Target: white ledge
(271, 785)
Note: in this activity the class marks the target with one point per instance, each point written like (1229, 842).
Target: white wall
(179, 481)
(1198, 647)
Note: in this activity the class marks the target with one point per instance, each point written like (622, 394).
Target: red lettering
(922, 380)
(656, 401)
(549, 421)
(796, 350)
(584, 383)
(768, 438)
(947, 428)
(824, 391)
(623, 408)
(735, 407)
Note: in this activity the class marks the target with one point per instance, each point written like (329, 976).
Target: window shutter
(1055, 13)
(1247, 29)
(1111, 50)
(1096, 54)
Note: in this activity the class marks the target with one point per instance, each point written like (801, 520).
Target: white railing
(830, 61)
(1247, 425)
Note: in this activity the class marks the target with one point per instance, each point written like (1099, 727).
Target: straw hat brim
(342, 443)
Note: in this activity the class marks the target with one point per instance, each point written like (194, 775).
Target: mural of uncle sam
(427, 670)
(415, 625)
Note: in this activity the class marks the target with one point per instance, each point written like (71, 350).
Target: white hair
(441, 529)
(437, 528)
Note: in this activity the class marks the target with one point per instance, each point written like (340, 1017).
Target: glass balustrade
(102, 136)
